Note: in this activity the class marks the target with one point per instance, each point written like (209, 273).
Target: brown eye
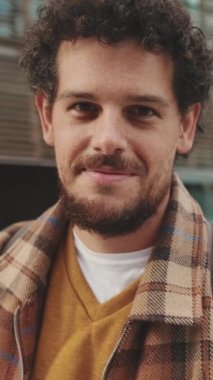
(84, 107)
(141, 112)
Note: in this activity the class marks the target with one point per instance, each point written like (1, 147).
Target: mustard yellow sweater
(78, 334)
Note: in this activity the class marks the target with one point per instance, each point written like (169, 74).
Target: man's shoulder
(44, 231)
(11, 233)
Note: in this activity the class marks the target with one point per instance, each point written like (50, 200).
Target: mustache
(116, 162)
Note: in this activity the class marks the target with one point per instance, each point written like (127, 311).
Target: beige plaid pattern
(169, 332)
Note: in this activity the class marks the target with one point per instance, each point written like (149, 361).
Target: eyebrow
(146, 98)
(75, 94)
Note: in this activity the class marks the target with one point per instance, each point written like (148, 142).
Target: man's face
(116, 128)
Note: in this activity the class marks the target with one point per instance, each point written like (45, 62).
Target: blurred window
(15, 15)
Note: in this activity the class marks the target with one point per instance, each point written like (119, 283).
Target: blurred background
(27, 169)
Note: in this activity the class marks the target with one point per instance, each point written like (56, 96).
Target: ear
(188, 128)
(45, 114)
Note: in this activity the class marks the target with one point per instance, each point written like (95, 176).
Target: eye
(142, 112)
(84, 109)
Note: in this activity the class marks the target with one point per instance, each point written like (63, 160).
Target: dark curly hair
(160, 26)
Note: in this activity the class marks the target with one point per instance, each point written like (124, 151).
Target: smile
(108, 176)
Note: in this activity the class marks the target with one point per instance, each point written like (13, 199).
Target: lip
(107, 176)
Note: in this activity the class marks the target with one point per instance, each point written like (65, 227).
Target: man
(112, 282)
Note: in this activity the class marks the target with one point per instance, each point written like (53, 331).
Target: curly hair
(159, 26)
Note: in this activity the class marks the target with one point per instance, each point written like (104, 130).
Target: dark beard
(90, 216)
(95, 216)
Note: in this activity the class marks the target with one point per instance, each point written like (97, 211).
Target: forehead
(121, 66)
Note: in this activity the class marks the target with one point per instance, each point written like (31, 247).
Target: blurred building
(197, 169)
(27, 172)
(20, 137)
(25, 158)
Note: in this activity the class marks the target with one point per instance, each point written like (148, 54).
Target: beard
(102, 217)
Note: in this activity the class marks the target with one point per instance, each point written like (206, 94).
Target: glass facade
(200, 181)
(202, 13)
(15, 15)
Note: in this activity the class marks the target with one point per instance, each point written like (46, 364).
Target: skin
(119, 100)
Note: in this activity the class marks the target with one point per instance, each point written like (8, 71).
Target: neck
(143, 238)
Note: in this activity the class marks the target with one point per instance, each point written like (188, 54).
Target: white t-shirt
(108, 274)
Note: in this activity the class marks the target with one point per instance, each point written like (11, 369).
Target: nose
(109, 135)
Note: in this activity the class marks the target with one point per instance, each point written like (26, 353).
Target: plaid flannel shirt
(169, 332)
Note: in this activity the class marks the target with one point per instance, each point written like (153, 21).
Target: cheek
(157, 154)
(62, 151)
(71, 139)
(150, 148)
(67, 150)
